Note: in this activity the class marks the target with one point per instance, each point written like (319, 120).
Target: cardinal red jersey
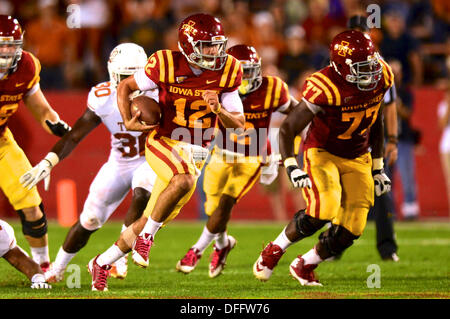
(180, 94)
(14, 86)
(258, 108)
(345, 113)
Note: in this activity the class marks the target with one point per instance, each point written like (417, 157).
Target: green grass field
(423, 270)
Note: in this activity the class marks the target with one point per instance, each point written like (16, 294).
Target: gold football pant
(168, 158)
(342, 189)
(13, 164)
(234, 179)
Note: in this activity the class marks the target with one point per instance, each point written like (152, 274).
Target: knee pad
(35, 229)
(89, 221)
(335, 240)
(307, 225)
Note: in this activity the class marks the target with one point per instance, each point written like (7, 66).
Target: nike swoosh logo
(254, 106)
(209, 82)
(20, 84)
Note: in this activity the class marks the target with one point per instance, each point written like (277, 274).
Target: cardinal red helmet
(11, 42)
(251, 66)
(202, 41)
(354, 57)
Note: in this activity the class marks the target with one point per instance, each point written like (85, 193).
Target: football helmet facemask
(354, 57)
(124, 60)
(251, 67)
(202, 41)
(11, 43)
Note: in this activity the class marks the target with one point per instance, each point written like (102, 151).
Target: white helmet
(124, 60)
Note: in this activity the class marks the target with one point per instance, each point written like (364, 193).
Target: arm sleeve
(232, 102)
(143, 81)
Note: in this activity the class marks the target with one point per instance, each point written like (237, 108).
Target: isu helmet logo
(188, 28)
(343, 48)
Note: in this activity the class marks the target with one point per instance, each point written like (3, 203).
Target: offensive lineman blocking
(342, 102)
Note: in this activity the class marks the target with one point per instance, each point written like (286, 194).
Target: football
(150, 110)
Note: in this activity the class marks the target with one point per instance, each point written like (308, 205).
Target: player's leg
(108, 189)
(323, 201)
(349, 223)
(216, 175)
(27, 203)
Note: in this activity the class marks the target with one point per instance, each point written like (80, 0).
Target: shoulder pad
(99, 97)
(277, 92)
(388, 75)
(320, 90)
(232, 74)
(160, 67)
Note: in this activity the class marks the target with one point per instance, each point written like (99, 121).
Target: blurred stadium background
(292, 36)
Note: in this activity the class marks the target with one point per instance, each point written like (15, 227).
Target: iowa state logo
(188, 28)
(343, 48)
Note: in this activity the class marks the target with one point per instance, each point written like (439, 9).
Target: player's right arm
(28, 267)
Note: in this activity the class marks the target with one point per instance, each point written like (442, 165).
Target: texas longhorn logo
(188, 28)
(343, 48)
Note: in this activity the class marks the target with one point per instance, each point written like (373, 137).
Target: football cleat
(45, 266)
(393, 257)
(263, 267)
(141, 249)
(99, 275)
(189, 261)
(119, 269)
(304, 273)
(54, 274)
(219, 257)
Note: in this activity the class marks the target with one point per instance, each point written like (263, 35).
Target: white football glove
(38, 282)
(40, 172)
(382, 182)
(298, 177)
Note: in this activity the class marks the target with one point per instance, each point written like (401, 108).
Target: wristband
(52, 158)
(377, 164)
(290, 161)
(392, 139)
(218, 110)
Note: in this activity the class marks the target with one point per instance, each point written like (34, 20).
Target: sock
(63, 258)
(151, 227)
(110, 256)
(222, 240)
(40, 254)
(311, 257)
(282, 240)
(205, 239)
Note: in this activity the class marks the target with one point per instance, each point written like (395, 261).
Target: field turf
(422, 272)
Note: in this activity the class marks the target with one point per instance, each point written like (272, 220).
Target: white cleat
(219, 258)
(54, 274)
(119, 269)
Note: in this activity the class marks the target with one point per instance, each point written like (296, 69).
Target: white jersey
(7, 238)
(125, 145)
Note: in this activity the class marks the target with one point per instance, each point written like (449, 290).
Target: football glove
(297, 177)
(382, 182)
(58, 128)
(38, 282)
(40, 172)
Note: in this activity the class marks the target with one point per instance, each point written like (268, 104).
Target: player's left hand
(382, 182)
(36, 174)
(212, 99)
(58, 128)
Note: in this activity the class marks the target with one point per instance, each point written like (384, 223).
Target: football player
(195, 87)
(19, 81)
(237, 160)
(126, 166)
(342, 103)
(17, 257)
